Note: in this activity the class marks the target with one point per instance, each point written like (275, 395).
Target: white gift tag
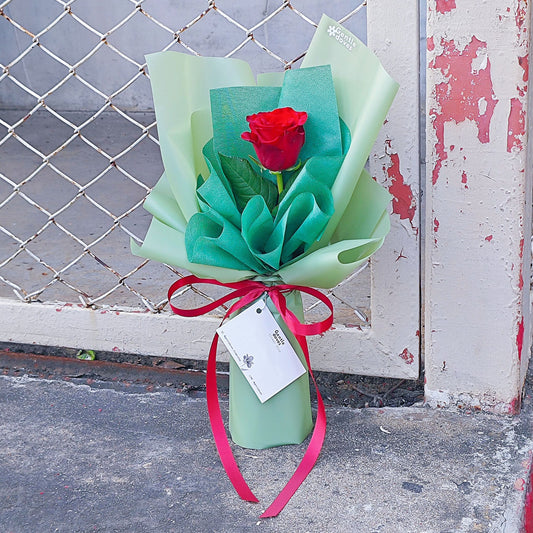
(261, 350)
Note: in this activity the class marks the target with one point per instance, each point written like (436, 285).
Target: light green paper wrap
(283, 419)
(181, 87)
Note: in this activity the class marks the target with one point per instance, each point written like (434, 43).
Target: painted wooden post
(478, 199)
(393, 34)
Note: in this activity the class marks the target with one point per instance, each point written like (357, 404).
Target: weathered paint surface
(524, 63)
(521, 19)
(520, 337)
(528, 513)
(477, 309)
(160, 334)
(521, 269)
(517, 142)
(516, 123)
(520, 317)
(467, 93)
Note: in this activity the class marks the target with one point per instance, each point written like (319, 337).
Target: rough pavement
(114, 458)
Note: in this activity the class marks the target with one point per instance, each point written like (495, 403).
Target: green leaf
(86, 355)
(246, 182)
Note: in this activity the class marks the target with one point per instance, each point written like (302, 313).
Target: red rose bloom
(277, 136)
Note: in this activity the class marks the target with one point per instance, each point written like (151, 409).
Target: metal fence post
(478, 199)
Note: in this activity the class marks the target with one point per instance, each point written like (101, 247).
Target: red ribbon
(247, 292)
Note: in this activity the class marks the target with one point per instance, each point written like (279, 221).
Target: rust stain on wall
(520, 276)
(523, 61)
(403, 202)
(520, 338)
(445, 6)
(516, 125)
(407, 356)
(467, 93)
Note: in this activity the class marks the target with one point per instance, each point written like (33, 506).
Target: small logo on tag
(278, 339)
(345, 39)
(248, 361)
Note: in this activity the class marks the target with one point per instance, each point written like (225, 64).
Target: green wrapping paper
(331, 220)
(286, 417)
(257, 240)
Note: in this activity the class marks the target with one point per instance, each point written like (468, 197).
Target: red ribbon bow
(247, 292)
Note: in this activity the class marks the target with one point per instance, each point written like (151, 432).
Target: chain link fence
(78, 138)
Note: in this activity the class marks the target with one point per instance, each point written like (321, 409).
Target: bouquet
(265, 192)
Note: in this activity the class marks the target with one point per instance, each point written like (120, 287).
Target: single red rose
(277, 136)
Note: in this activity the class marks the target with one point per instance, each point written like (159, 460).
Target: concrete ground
(116, 456)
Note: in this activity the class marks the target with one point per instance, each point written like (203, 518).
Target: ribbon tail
(311, 454)
(219, 431)
(246, 292)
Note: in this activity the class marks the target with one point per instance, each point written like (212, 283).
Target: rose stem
(279, 178)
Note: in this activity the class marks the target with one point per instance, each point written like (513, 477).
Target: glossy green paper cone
(286, 417)
(182, 87)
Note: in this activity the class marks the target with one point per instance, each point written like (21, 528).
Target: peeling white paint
(166, 335)
(482, 105)
(480, 61)
(477, 311)
(394, 162)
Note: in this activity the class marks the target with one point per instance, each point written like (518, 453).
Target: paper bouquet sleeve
(325, 217)
(264, 425)
(181, 88)
(201, 106)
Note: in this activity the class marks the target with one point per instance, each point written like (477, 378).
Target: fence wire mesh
(78, 139)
